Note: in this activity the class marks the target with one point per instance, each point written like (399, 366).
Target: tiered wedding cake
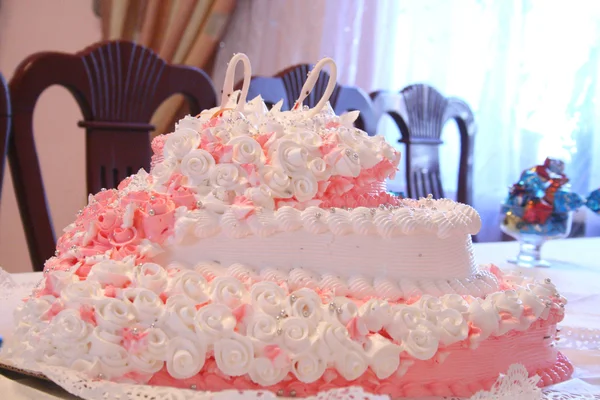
(261, 250)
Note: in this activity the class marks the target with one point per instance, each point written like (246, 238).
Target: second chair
(118, 85)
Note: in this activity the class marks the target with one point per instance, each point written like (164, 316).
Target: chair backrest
(118, 85)
(4, 127)
(420, 112)
(287, 85)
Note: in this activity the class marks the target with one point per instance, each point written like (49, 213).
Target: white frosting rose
(157, 342)
(267, 297)
(151, 276)
(262, 327)
(163, 171)
(292, 157)
(226, 176)
(296, 334)
(359, 141)
(79, 293)
(404, 319)
(178, 319)
(452, 327)
(148, 307)
(421, 342)
(59, 280)
(345, 161)
(383, 355)
(318, 167)
(305, 187)
(191, 284)
(113, 314)
(264, 372)
(375, 314)
(180, 143)
(351, 364)
(261, 196)
(306, 304)
(197, 166)
(308, 366)
(112, 357)
(189, 122)
(214, 321)
(234, 355)
(70, 334)
(483, 315)
(111, 272)
(185, 358)
(430, 306)
(227, 290)
(146, 363)
(246, 150)
(278, 181)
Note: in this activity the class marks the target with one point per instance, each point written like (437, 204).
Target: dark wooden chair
(287, 85)
(420, 112)
(4, 127)
(118, 85)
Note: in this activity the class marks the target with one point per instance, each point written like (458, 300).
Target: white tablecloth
(575, 271)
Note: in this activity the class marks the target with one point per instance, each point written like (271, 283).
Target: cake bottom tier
(455, 371)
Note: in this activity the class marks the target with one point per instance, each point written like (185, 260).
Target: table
(577, 276)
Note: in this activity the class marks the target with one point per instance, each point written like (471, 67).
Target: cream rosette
(319, 168)
(360, 142)
(191, 284)
(246, 150)
(151, 276)
(79, 293)
(345, 162)
(112, 357)
(156, 343)
(483, 315)
(70, 334)
(452, 327)
(421, 342)
(267, 297)
(266, 373)
(234, 355)
(227, 290)
(189, 122)
(147, 306)
(113, 315)
(178, 319)
(508, 302)
(430, 306)
(214, 321)
(295, 334)
(305, 187)
(185, 358)
(347, 356)
(277, 180)
(179, 143)
(292, 157)
(262, 327)
(197, 166)
(163, 171)
(227, 176)
(383, 356)
(375, 313)
(32, 310)
(310, 140)
(147, 362)
(404, 319)
(305, 304)
(111, 272)
(309, 366)
(261, 196)
(341, 311)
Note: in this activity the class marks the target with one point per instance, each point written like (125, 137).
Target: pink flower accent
(181, 195)
(253, 176)
(242, 207)
(241, 312)
(158, 217)
(88, 314)
(133, 340)
(265, 139)
(332, 124)
(330, 143)
(338, 185)
(53, 311)
(222, 153)
(164, 297)
(110, 291)
(357, 329)
(158, 143)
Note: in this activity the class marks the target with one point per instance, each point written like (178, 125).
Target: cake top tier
(241, 152)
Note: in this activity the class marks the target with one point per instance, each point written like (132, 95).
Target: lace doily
(11, 290)
(579, 338)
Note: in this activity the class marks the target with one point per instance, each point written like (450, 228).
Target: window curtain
(528, 69)
(180, 31)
